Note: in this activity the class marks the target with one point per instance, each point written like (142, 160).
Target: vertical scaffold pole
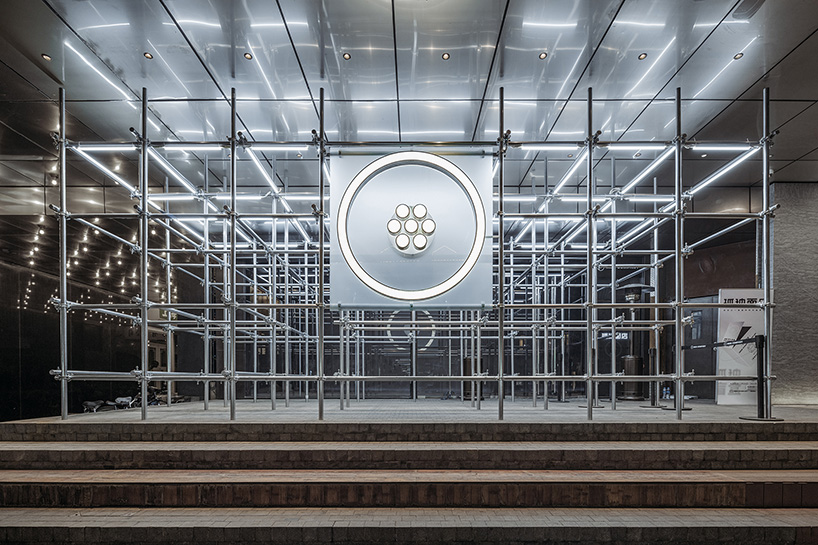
(233, 295)
(679, 242)
(766, 256)
(501, 307)
(63, 267)
(590, 287)
(143, 255)
(320, 325)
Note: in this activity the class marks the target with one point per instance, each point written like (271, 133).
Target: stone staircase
(409, 483)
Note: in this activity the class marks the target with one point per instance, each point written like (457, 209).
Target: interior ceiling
(396, 86)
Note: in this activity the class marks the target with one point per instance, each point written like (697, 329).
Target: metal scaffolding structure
(263, 292)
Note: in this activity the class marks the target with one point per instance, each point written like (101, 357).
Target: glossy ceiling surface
(385, 77)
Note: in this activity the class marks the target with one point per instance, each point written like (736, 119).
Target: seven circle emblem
(411, 228)
(407, 233)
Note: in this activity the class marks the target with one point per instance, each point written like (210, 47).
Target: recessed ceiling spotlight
(642, 56)
(148, 55)
(346, 56)
(445, 56)
(248, 56)
(46, 57)
(54, 181)
(637, 154)
(704, 155)
(737, 56)
(570, 155)
(543, 55)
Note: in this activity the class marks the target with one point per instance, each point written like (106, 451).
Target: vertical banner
(738, 324)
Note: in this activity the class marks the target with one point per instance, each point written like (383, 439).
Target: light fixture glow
(393, 226)
(402, 241)
(263, 172)
(147, 55)
(648, 169)
(106, 170)
(737, 56)
(428, 226)
(419, 241)
(577, 163)
(642, 56)
(46, 56)
(543, 55)
(248, 56)
(445, 56)
(346, 56)
(419, 211)
(548, 147)
(723, 170)
(402, 211)
(411, 226)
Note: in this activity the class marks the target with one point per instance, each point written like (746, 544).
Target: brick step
(91, 427)
(418, 488)
(202, 526)
(670, 455)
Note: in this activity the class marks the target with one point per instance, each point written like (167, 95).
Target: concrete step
(408, 488)
(91, 427)
(205, 526)
(615, 455)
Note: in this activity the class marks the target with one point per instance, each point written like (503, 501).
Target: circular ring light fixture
(394, 160)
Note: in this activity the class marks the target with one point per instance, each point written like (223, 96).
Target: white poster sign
(738, 324)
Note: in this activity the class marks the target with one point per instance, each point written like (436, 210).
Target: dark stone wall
(795, 284)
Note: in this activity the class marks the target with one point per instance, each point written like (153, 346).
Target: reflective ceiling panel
(223, 31)
(666, 33)
(445, 120)
(771, 33)
(567, 31)
(325, 32)
(361, 121)
(278, 120)
(121, 33)
(427, 30)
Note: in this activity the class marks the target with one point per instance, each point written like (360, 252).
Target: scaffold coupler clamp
(58, 304)
(60, 212)
(687, 251)
(58, 375)
(503, 141)
(770, 211)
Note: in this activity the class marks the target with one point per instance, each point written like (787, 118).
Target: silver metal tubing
(678, 226)
(144, 237)
(766, 254)
(320, 295)
(63, 265)
(501, 310)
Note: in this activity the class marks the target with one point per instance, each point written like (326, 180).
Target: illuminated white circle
(419, 211)
(428, 226)
(393, 226)
(402, 241)
(412, 158)
(419, 241)
(402, 211)
(392, 339)
(411, 226)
